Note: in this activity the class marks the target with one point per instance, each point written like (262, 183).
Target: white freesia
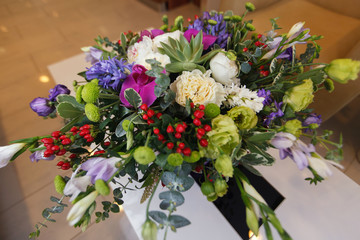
(164, 38)
(199, 87)
(249, 189)
(78, 210)
(223, 69)
(295, 29)
(321, 166)
(7, 152)
(242, 96)
(76, 185)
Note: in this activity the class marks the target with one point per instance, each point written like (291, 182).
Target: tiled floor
(37, 33)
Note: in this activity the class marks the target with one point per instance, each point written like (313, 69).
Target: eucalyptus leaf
(172, 197)
(178, 221)
(245, 67)
(158, 216)
(69, 99)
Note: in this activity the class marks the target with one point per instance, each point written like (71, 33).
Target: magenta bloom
(141, 83)
(207, 41)
(152, 34)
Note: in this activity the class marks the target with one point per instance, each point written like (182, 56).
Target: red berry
(47, 140)
(119, 42)
(169, 129)
(74, 129)
(156, 131)
(178, 150)
(266, 73)
(158, 115)
(265, 46)
(63, 137)
(259, 36)
(65, 166)
(197, 122)
(178, 135)
(99, 152)
(90, 139)
(56, 134)
(207, 128)
(60, 163)
(198, 168)
(189, 19)
(84, 132)
(72, 156)
(48, 152)
(180, 128)
(261, 67)
(107, 143)
(61, 152)
(198, 114)
(144, 107)
(250, 63)
(150, 113)
(199, 136)
(145, 117)
(201, 131)
(86, 126)
(87, 136)
(204, 142)
(170, 145)
(66, 141)
(202, 107)
(48, 145)
(181, 145)
(150, 121)
(160, 137)
(245, 49)
(184, 124)
(192, 105)
(186, 151)
(55, 148)
(196, 16)
(258, 43)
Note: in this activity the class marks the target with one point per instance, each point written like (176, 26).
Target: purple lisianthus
(39, 155)
(93, 55)
(57, 90)
(141, 83)
(207, 41)
(110, 72)
(151, 34)
(42, 106)
(100, 168)
(266, 94)
(313, 118)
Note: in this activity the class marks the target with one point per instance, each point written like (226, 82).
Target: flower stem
(107, 106)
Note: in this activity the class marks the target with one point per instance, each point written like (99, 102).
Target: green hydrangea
(343, 70)
(244, 117)
(224, 136)
(300, 96)
(223, 165)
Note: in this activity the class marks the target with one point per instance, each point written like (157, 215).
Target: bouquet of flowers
(205, 98)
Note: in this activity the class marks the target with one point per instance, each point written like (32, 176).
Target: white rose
(199, 87)
(164, 38)
(223, 69)
(163, 59)
(137, 52)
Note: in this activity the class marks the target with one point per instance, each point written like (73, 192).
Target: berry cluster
(198, 115)
(149, 114)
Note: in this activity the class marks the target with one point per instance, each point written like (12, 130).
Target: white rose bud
(223, 69)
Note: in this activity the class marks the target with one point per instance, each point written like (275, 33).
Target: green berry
(92, 112)
(59, 183)
(212, 198)
(127, 125)
(90, 92)
(175, 159)
(144, 155)
(102, 187)
(212, 110)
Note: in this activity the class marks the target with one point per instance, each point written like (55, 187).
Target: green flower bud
(92, 112)
(118, 164)
(75, 83)
(212, 198)
(149, 230)
(102, 187)
(90, 92)
(252, 221)
(165, 19)
(212, 22)
(250, 27)
(212, 110)
(343, 70)
(220, 187)
(227, 18)
(244, 117)
(78, 94)
(329, 85)
(175, 159)
(236, 18)
(313, 126)
(179, 20)
(249, 6)
(127, 125)
(231, 55)
(164, 27)
(224, 166)
(300, 96)
(208, 189)
(294, 127)
(194, 157)
(59, 183)
(144, 155)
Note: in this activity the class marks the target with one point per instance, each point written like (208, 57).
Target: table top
(326, 211)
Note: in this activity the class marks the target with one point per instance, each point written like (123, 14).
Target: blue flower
(265, 94)
(110, 73)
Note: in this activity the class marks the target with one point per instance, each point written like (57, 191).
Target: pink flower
(141, 83)
(208, 40)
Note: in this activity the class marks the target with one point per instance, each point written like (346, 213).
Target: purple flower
(110, 72)
(289, 146)
(207, 41)
(100, 168)
(152, 34)
(42, 106)
(93, 55)
(265, 94)
(57, 90)
(277, 113)
(39, 155)
(313, 118)
(141, 83)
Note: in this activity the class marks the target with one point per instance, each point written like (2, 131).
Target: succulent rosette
(208, 98)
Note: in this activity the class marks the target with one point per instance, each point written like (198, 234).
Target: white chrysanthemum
(199, 87)
(242, 96)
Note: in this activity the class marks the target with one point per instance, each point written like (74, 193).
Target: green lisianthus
(244, 117)
(223, 137)
(224, 166)
(221, 187)
(294, 127)
(343, 70)
(300, 96)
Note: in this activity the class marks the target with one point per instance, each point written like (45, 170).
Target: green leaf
(115, 208)
(173, 197)
(69, 99)
(178, 221)
(67, 110)
(123, 41)
(133, 97)
(69, 125)
(261, 137)
(158, 216)
(257, 52)
(256, 149)
(245, 67)
(254, 159)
